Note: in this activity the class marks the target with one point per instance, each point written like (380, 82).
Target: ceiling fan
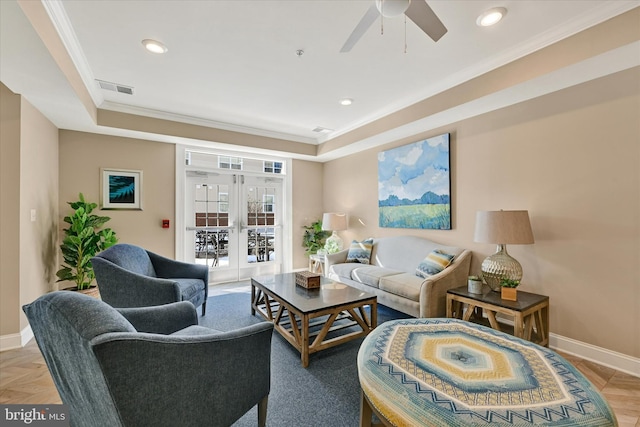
(416, 10)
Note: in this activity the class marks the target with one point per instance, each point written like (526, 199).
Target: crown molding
(62, 24)
(199, 121)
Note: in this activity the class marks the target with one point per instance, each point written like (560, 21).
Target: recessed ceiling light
(491, 16)
(154, 46)
(346, 101)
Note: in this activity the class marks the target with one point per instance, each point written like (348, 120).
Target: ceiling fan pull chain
(381, 25)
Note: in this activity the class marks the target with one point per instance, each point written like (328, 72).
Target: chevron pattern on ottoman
(452, 372)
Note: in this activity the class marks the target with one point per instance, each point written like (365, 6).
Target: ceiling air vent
(115, 87)
(320, 129)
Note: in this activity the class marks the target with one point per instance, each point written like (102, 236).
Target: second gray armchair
(130, 276)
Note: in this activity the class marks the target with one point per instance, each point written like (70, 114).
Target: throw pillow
(434, 263)
(360, 251)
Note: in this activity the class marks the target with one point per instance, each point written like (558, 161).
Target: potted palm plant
(83, 239)
(314, 237)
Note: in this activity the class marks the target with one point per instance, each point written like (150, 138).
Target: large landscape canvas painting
(414, 185)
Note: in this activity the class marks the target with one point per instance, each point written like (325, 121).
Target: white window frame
(269, 166)
(268, 200)
(230, 162)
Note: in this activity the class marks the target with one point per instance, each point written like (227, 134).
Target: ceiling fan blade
(367, 20)
(424, 17)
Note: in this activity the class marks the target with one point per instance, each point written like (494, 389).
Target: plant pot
(509, 294)
(92, 291)
(474, 286)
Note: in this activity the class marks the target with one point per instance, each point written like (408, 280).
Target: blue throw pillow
(434, 263)
(360, 251)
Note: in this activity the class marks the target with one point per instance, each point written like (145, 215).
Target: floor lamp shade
(502, 228)
(334, 222)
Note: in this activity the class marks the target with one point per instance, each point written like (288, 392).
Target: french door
(234, 224)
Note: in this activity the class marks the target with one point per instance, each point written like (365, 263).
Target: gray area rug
(326, 394)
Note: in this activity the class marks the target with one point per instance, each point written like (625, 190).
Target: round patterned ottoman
(448, 372)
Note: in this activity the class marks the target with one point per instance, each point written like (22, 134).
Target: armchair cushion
(196, 330)
(161, 319)
(189, 288)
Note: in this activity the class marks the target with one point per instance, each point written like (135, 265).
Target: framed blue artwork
(414, 185)
(121, 189)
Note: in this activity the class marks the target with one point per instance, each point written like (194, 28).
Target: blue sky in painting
(412, 170)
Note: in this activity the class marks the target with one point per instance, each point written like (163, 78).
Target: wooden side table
(528, 312)
(316, 263)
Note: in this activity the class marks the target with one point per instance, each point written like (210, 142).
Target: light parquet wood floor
(24, 378)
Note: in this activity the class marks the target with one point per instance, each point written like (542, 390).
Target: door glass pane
(260, 224)
(211, 207)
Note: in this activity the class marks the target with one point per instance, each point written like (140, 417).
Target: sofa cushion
(405, 252)
(434, 263)
(406, 285)
(344, 270)
(360, 252)
(370, 274)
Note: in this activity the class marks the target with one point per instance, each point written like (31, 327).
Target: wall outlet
(33, 215)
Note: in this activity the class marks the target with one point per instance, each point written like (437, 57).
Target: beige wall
(29, 180)
(81, 157)
(307, 205)
(83, 154)
(38, 192)
(9, 211)
(572, 159)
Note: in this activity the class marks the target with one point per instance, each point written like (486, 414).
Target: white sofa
(391, 274)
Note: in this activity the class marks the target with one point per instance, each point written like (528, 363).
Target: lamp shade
(334, 221)
(503, 227)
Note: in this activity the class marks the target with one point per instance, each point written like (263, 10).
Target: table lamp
(502, 228)
(334, 222)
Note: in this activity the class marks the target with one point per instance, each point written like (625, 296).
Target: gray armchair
(150, 366)
(130, 276)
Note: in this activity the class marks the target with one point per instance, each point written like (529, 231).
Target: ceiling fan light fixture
(154, 46)
(491, 16)
(346, 101)
(392, 8)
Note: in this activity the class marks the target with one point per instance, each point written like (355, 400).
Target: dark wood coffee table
(313, 319)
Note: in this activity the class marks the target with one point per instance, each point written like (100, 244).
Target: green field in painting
(434, 217)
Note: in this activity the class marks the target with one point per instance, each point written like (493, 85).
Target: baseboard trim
(13, 341)
(601, 356)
